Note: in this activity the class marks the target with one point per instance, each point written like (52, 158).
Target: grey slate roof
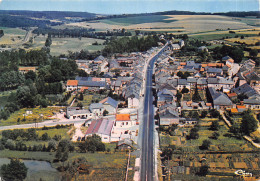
(92, 83)
(219, 98)
(202, 81)
(212, 80)
(182, 82)
(95, 106)
(110, 101)
(214, 70)
(191, 80)
(244, 89)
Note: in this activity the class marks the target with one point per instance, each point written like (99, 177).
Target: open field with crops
(29, 118)
(176, 23)
(12, 36)
(63, 45)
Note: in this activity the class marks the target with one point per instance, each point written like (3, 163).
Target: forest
(133, 44)
(1, 33)
(20, 21)
(32, 88)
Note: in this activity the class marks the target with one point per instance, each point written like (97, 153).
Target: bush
(205, 145)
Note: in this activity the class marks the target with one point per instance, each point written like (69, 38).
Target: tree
(214, 125)
(253, 53)
(45, 137)
(214, 113)
(205, 145)
(81, 97)
(180, 74)
(203, 114)
(204, 170)
(184, 90)
(93, 143)
(249, 124)
(80, 105)
(193, 133)
(15, 170)
(30, 75)
(196, 97)
(105, 113)
(215, 135)
(179, 96)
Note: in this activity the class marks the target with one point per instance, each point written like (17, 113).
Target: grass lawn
(137, 20)
(29, 118)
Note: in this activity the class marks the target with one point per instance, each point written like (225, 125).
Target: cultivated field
(176, 23)
(63, 45)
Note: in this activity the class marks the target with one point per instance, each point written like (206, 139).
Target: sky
(131, 6)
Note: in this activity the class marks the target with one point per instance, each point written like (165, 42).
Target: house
(77, 113)
(219, 99)
(164, 96)
(101, 127)
(253, 79)
(252, 102)
(97, 109)
(241, 108)
(110, 105)
(123, 121)
(124, 144)
(202, 83)
(24, 70)
(72, 85)
(203, 49)
(188, 122)
(192, 82)
(213, 72)
(182, 83)
(175, 46)
(244, 89)
(168, 117)
(229, 61)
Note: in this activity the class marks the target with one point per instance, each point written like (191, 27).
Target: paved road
(42, 124)
(147, 153)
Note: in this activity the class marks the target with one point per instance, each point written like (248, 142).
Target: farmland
(30, 118)
(63, 45)
(225, 155)
(12, 36)
(170, 23)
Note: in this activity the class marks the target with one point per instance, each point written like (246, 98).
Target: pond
(37, 170)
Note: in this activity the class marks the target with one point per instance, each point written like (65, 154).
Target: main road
(147, 150)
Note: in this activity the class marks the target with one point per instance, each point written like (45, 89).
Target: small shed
(125, 144)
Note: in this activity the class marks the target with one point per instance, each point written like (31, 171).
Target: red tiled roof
(241, 107)
(232, 94)
(72, 82)
(123, 117)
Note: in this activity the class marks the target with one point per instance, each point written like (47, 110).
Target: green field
(63, 45)
(47, 113)
(137, 20)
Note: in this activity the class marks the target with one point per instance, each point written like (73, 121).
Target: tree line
(80, 32)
